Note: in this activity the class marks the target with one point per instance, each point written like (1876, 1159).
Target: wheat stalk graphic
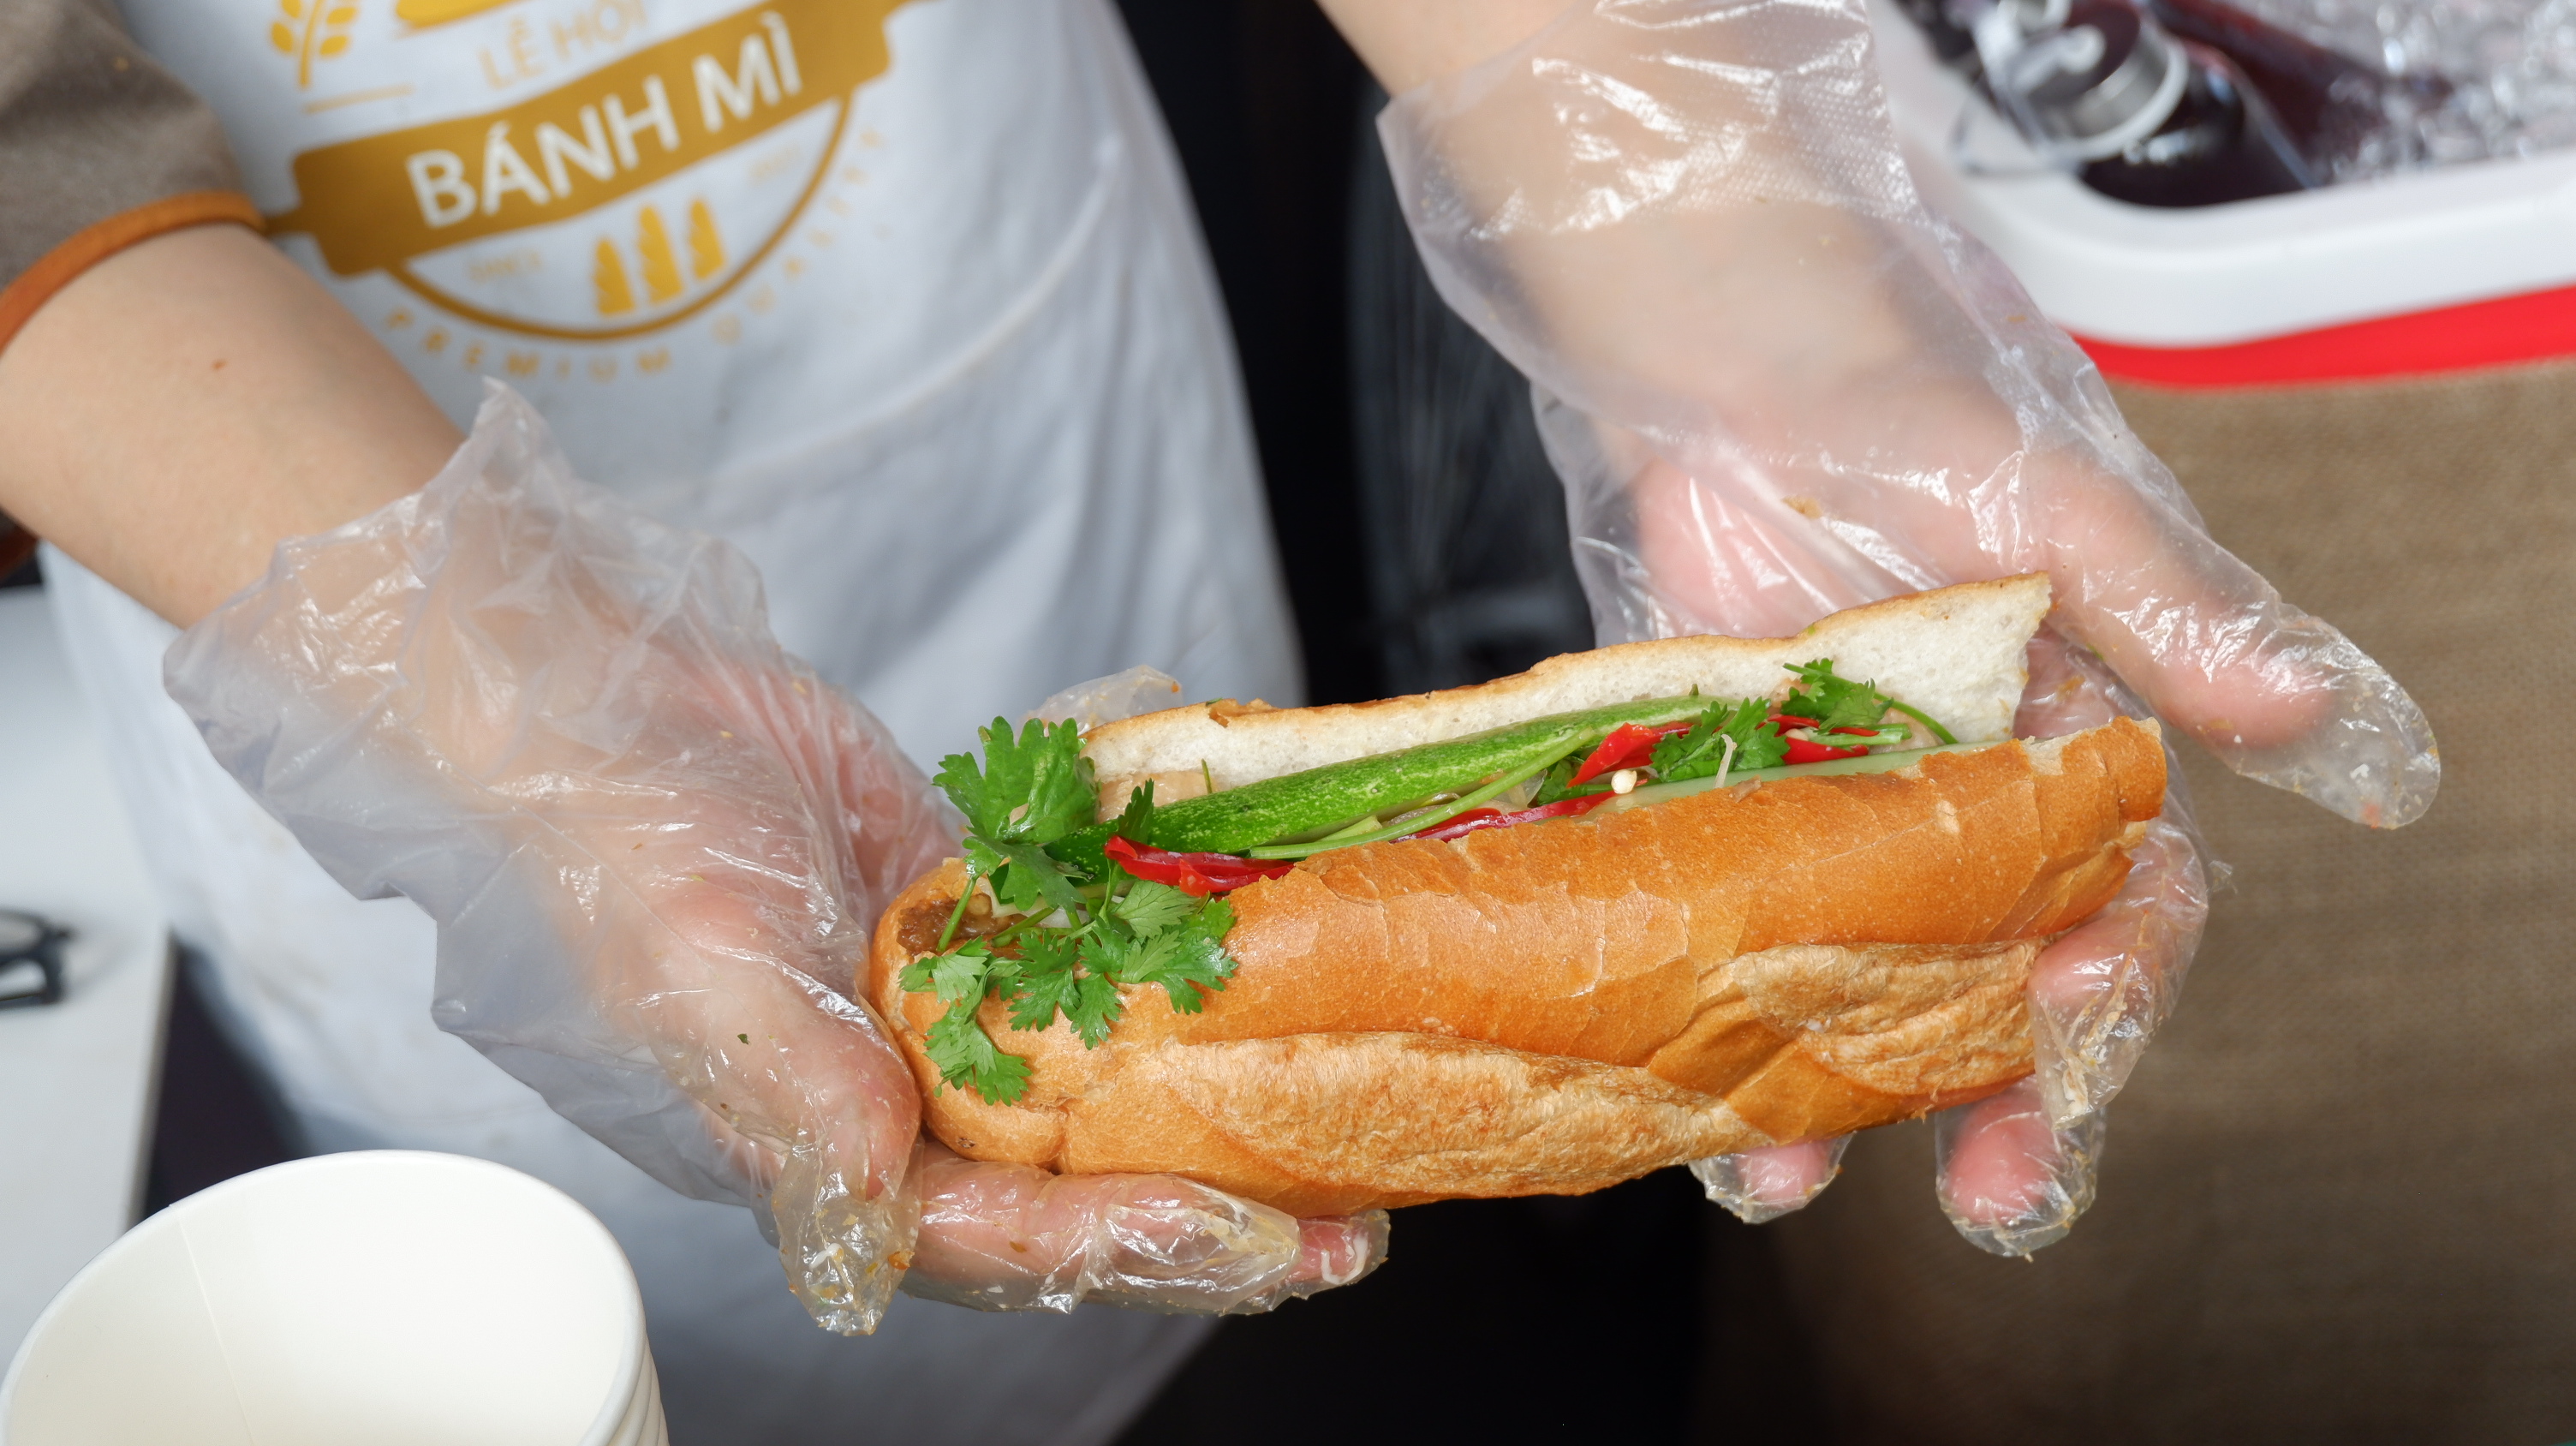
(311, 30)
(608, 280)
(706, 244)
(653, 247)
(657, 261)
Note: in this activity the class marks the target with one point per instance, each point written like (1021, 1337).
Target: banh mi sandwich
(1630, 908)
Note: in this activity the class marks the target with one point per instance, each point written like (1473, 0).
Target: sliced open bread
(1956, 653)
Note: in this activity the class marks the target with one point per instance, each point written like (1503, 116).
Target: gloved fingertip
(1759, 1186)
(2337, 731)
(1338, 1250)
(2009, 1180)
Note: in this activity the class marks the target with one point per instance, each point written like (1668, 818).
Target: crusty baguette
(1557, 1007)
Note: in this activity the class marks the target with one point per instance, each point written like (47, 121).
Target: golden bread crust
(1557, 1007)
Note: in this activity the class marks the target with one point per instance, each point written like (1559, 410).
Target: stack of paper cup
(388, 1297)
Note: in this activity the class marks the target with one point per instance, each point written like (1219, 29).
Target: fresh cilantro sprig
(958, 1047)
(1729, 736)
(1149, 934)
(1837, 702)
(1086, 926)
(1032, 791)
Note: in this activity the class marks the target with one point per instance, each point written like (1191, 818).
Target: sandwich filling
(1063, 908)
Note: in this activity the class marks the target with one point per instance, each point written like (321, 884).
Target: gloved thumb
(1758, 1186)
(1012, 1237)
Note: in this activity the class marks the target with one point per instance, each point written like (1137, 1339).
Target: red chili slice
(1802, 750)
(1630, 745)
(1477, 818)
(1200, 874)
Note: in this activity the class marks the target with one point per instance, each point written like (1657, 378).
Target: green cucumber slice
(1302, 804)
(1348, 838)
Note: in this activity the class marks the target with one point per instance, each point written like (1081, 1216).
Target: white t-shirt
(902, 298)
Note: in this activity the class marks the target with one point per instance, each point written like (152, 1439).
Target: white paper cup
(388, 1297)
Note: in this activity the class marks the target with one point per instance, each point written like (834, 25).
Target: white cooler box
(2428, 273)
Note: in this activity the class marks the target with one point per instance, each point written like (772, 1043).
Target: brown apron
(2339, 1201)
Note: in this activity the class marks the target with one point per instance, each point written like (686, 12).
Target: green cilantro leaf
(961, 975)
(1183, 960)
(1033, 875)
(1040, 998)
(985, 799)
(1200, 963)
(1123, 960)
(958, 1047)
(983, 861)
(1095, 1007)
(1035, 788)
(1832, 700)
(952, 976)
(966, 1056)
(1150, 908)
(1046, 980)
(1136, 824)
(1032, 790)
(1702, 751)
(1679, 755)
(1216, 920)
(1757, 744)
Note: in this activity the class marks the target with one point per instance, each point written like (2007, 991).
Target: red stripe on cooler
(2537, 326)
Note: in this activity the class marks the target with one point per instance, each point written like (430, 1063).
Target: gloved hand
(655, 846)
(1776, 385)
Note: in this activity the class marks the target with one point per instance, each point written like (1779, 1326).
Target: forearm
(1801, 288)
(1408, 42)
(188, 403)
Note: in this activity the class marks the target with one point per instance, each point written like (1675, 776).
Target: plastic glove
(1776, 385)
(1013, 1237)
(655, 846)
